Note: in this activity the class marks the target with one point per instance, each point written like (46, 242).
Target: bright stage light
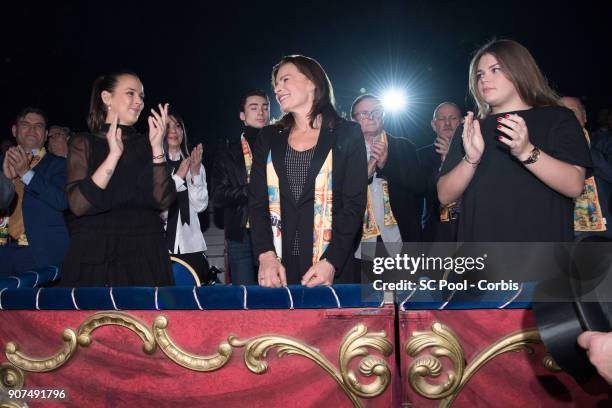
(394, 100)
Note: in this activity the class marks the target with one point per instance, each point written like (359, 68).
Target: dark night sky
(201, 56)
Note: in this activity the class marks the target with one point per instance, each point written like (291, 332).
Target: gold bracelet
(161, 156)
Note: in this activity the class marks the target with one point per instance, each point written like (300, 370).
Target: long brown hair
(97, 108)
(324, 102)
(520, 68)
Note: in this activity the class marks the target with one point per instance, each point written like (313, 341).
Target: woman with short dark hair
(307, 191)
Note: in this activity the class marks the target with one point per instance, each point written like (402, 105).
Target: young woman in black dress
(519, 164)
(118, 183)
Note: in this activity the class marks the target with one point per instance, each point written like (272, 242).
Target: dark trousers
(240, 257)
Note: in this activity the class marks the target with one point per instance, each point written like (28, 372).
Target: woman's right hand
(183, 168)
(271, 272)
(473, 143)
(113, 137)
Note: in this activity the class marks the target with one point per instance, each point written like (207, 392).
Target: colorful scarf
(323, 194)
(248, 162)
(587, 210)
(13, 225)
(370, 227)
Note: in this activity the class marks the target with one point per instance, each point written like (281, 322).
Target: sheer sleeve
(164, 188)
(84, 196)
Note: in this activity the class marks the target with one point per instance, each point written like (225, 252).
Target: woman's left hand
(321, 273)
(157, 126)
(196, 159)
(515, 128)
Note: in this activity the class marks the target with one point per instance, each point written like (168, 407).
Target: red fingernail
(499, 126)
(507, 116)
(499, 118)
(499, 138)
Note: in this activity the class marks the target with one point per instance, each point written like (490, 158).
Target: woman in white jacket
(184, 236)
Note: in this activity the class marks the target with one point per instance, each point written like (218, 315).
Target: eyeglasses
(375, 114)
(35, 126)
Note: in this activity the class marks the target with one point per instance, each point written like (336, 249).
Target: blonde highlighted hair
(520, 68)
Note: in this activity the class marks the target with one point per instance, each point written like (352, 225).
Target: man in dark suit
(230, 177)
(34, 232)
(439, 224)
(393, 208)
(7, 191)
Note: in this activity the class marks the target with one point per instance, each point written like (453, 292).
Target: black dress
(505, 201)
(118, 235)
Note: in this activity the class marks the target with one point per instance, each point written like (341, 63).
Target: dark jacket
(405, 186)
(7, 191)
(230, 186)
(43, 208)
(349, 194)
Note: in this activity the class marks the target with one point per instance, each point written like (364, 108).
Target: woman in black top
(118, 183)
(519, 166)
(300, 150)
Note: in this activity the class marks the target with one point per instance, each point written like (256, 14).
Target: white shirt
(189, 237)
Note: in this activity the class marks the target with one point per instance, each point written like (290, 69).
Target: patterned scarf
(587, 210)
(323, 193)
(16, 226)
(248, 162)
(370, 227)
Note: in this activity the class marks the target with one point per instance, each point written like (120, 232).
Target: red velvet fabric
(515, 379)
(114, 372)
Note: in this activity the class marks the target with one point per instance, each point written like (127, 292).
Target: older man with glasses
(393, 206)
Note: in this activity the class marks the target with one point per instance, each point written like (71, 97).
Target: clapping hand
(473, 143)
(183, 168)
(157, 126)
(113, 137)
(515, 128)
(196, 159)
(19, 160)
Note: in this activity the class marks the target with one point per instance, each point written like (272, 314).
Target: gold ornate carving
(13, 404)
(444, 343)
(116, 319)
(355, 344)
(40, 365)
(550, 364)
(187, 360)
(11, 377)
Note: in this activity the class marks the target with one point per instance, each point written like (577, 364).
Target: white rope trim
(290, 298)
(244, 302)
(36, 281)
(402, 308)
(518, 292)
(56, 272)
(37, 296)
(447, 300)
(113, 299)
(3, 289)
(196, 299)
(336, 296)
(156, 304)
(74, 303)
(18, 280)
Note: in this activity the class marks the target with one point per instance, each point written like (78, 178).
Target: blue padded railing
(27, 291)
